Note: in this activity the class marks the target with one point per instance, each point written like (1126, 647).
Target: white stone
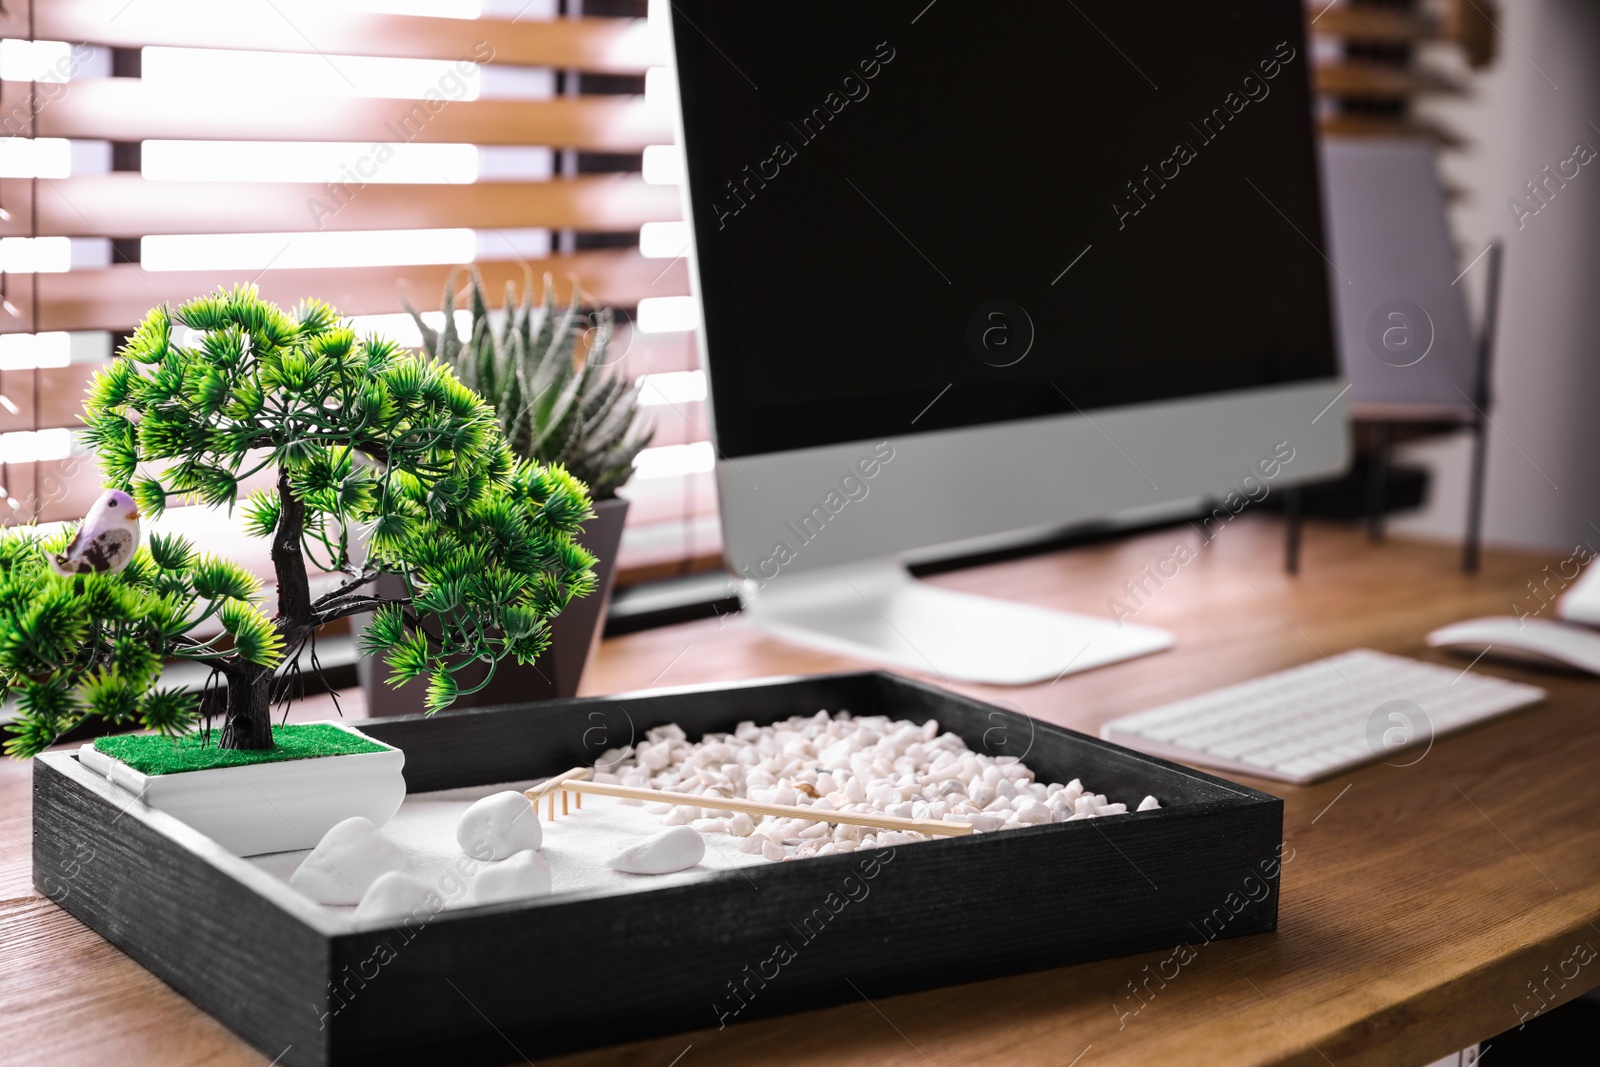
(870, 765)
(499, 825)
(397, 895)
(1149, 804)
(527, 874)
(1033, 812)
(346, 862)
(672, 850)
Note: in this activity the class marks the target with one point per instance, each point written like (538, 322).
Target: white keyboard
(1303, 724)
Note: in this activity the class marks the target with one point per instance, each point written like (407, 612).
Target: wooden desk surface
(1419, 906)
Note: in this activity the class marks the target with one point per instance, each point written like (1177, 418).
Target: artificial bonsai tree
(556, 404)
(361, 437)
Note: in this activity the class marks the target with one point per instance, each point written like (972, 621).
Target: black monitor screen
(916, 216)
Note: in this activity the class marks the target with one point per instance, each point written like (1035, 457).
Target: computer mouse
(1536, 641)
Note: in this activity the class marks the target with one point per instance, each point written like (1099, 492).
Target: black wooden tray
(684, 952)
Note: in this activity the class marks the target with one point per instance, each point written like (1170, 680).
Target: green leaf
(170, 551)
(254, 637)
(409, 658)
(48, 632)
(108, 695)
(261, 509)
(45, 711)
(150, 496)
(170, 711)
(385, 630)
(442, 690)
(215, 578)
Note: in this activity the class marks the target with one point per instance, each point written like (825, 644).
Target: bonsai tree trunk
(248, 722)
(249, 714)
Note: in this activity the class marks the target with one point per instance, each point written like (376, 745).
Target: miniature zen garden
(464, 475)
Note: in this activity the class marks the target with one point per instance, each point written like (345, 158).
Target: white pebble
(1033, 812)
(832, 762)
(499, 825)
(1149, 804)
(397, 895)
(345, 863)
(527, 874)
(672, 850)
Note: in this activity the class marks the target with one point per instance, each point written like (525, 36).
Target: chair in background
(1415, 365)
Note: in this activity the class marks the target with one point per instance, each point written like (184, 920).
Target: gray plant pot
(574, 634)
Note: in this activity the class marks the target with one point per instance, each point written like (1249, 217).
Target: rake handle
(936, 827)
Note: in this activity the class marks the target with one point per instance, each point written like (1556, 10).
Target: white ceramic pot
(269, 807)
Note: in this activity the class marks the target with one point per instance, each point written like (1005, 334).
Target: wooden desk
(1419, 904)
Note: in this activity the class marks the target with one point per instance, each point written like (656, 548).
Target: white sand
(577, 845)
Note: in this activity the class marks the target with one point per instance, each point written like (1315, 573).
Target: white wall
(1540, 99)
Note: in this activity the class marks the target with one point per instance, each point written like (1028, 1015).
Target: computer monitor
(967, 269)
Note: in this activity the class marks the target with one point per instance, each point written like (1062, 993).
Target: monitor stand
(876, 611)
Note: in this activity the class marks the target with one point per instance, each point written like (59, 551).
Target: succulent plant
(557, 404)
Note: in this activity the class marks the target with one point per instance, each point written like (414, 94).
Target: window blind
(351, 150)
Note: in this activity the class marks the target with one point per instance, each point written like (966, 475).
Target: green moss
(151, 754)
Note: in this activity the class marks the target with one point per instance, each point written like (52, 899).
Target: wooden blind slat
(678, 423)
(50, 490)
(1373, 80)
(1355, 125)
(664, 499)
(126, 109)
(656, 353)
(126, 205)
(60, 393)
(618, 46)
(117, 297)
(1374, 25)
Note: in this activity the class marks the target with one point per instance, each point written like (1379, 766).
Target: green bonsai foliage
(94, 644)
(364, 438)
(555, 406)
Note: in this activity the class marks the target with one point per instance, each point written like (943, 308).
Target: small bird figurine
(107, 539)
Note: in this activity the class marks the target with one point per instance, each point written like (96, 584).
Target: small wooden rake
(576, 781)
